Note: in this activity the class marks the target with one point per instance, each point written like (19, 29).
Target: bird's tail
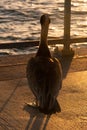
(49, 105)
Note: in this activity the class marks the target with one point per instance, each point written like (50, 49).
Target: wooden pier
(15, 93)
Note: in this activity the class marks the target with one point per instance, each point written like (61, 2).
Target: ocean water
(19, 20)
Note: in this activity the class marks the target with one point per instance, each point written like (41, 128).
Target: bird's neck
(43, 47)
(44, 34)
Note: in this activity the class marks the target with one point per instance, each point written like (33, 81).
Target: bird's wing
(54, 77)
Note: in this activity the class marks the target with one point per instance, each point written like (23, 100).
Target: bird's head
(45, 20)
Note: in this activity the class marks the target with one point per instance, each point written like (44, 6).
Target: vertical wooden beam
(67, 21)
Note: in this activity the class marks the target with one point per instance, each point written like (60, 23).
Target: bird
(44, 73)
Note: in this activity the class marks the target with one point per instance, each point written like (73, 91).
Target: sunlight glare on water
(20, 19)
(79, 18)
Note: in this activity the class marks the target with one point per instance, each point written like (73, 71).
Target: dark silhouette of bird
(44, 73)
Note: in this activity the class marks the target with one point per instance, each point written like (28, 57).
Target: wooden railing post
(67, 20)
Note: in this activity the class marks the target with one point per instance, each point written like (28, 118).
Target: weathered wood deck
(14, 67)
(15, 93)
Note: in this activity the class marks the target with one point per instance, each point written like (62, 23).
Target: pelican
(44, 73)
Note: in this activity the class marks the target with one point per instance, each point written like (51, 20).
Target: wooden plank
(67, 19)
(12, 72)
(14, 60)
(78, 40)
(14, 67)
(19, 44)
(24, 44)
(36, 43)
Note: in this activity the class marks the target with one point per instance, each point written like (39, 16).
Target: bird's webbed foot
(33, 104)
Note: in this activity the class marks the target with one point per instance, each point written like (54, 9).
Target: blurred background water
(19, 19)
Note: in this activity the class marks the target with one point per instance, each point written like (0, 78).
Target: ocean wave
(19, 20)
